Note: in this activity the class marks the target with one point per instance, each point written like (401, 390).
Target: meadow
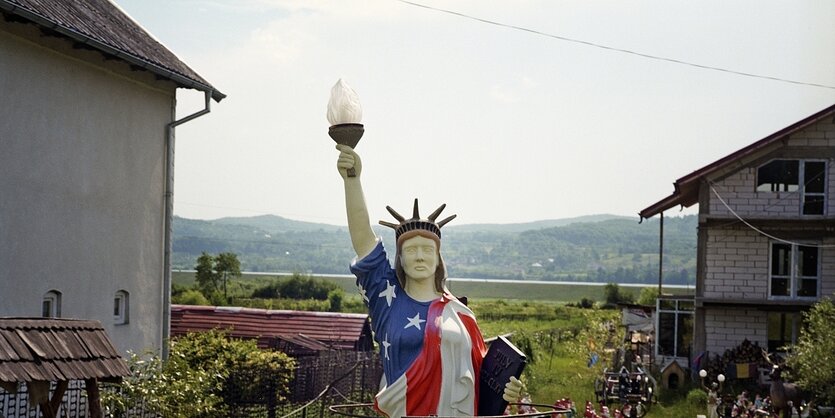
(558, 338)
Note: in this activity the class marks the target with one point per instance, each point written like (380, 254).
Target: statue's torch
(345, 115)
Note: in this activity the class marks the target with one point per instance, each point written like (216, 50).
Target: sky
(540, 114)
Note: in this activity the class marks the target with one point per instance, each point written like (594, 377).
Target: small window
(778, 176)
(795, 271)
(51, 304)
(120, 307)
(808, 178)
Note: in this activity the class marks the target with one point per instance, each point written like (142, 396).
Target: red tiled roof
(687, 188)
(340, 331)
(51, 349)
(102, 25)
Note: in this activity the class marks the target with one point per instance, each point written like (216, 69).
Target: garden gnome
(430, 345)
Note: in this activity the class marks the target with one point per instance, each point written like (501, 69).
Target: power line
(614, 49)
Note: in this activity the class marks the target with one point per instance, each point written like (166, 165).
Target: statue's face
(419, 257)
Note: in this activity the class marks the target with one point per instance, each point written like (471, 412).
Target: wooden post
(661, 253)
(93, 398)
(49, 409)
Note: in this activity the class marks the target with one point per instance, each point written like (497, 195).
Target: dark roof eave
(179, 79)
(686, 188)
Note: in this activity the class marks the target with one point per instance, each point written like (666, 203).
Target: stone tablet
(502, 361)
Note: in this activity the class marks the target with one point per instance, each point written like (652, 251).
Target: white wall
(82, 169)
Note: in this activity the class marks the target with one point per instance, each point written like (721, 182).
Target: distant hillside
(519, 227)
(595, 248)
(276, 224)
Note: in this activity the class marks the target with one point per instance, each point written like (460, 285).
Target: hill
(596, 248)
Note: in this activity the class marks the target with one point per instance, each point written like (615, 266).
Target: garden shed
(46, 355)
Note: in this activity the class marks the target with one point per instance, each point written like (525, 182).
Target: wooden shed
(42, 351)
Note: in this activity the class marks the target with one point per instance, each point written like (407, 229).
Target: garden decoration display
(713, 392)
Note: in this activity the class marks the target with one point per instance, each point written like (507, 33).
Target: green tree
(335, 298)
(227, 266)
(813, 358)
(213, 273)
(206, 279)
(648, 296)
(614, 294)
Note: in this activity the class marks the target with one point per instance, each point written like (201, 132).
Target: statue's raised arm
(359, 224)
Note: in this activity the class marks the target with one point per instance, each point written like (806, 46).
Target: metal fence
(333, 377)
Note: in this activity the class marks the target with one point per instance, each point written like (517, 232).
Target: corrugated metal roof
(102, 25)
(341, 331)
(52, 349)
(687, 188)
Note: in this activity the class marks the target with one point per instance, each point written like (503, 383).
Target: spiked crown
(415, 223)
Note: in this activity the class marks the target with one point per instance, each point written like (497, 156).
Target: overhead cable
(621, 50)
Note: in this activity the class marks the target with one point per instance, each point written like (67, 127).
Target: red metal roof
(341, 331)
(686, 191)
(102, 25)
(52, 349)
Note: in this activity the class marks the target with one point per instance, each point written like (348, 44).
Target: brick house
(766, 236)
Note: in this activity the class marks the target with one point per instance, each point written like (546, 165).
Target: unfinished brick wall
(728, 327)
(736, 264)
(739, 189)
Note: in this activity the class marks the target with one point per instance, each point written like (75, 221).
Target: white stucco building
(86, 158)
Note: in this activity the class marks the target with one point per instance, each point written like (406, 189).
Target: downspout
(169, 216)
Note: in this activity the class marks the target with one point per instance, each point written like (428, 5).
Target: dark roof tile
(56, 349)
(104, 26)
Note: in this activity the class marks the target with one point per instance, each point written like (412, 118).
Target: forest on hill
(600, 248)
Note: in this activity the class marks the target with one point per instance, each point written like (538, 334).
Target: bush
(697, 397)
(190, 297)
(204, 372)
(296, 287)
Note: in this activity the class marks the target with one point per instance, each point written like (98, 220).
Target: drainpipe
(169, 216)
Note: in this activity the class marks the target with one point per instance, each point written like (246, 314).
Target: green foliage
(697, 397)
(335, 297)
(213, 274)
(813, 358)
(203, 369)
(169, 391)
(615, 295)
(190, 297)
(298, 286)
(648, 296)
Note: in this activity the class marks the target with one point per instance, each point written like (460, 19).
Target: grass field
(516, 290)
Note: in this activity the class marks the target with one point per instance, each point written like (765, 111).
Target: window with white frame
(51, 304)
(795, 271)
(674, 328)
(121, 307)
(806, 177)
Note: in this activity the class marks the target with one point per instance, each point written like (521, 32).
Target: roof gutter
(169, 216)
(180, 79)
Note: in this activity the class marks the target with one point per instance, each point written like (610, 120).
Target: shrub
(697, 397)
(204, 373)
(190, 297)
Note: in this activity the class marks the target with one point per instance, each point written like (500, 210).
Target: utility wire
(610, 48)
(761, 232)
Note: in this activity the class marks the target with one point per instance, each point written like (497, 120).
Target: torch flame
(344, 105)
